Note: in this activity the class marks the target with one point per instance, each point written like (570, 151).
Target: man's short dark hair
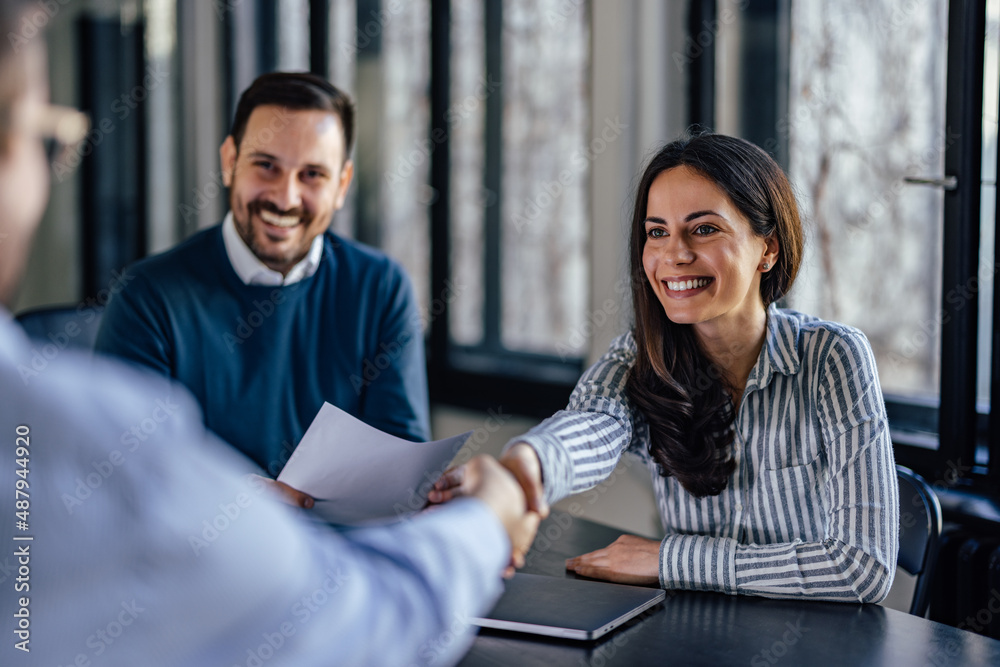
(299, 91)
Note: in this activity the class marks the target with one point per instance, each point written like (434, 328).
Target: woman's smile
(685, 286)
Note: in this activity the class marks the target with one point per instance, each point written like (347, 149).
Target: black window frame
(113, 175)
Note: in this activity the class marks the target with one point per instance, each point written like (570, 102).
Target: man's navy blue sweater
(261, 360)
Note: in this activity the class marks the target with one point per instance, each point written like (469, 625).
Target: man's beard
(246, 230)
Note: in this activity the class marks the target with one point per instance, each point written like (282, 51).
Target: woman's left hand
(627, 560)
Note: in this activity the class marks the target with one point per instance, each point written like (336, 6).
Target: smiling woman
(717, 211)
(764, 429)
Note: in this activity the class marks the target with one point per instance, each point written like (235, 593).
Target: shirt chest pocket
(778, 429)
(797, 443)
(792, 498)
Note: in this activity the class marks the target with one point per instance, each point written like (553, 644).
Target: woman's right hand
(521, 460)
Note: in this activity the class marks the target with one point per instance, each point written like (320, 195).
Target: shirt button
(739, 507)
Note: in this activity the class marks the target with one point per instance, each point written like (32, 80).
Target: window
(509, 254)
(884, 115)
(867, 113)
(890, 135)
(393, 154)
(534, 205)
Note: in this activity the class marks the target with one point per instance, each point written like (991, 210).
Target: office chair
(919, 530)
(63, 326)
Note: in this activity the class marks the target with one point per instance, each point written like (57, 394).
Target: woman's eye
(656, 233)
(704, 230)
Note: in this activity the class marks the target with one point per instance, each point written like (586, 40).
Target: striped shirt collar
(780, 353)
(252, 271)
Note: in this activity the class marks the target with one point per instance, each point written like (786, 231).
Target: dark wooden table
(692, 628)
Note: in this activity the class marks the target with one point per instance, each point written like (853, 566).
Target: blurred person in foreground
(764, 429)
(166, 551)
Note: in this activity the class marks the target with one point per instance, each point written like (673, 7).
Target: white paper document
(357, 473)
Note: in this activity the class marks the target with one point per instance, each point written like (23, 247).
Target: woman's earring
(766, 266)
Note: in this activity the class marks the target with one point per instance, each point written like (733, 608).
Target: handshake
(511, 487)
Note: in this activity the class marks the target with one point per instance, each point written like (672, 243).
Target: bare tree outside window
(545, 174)
(866, 110)
(406, 154)
(543, 199)
(466, 123)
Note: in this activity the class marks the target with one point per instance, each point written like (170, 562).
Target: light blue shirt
(151, 545)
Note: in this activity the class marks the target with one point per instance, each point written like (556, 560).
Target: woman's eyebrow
(698, 214)
(688, 218)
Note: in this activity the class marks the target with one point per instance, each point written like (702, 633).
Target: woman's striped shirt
(812, 508)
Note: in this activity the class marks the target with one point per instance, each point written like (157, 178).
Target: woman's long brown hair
(682, 395)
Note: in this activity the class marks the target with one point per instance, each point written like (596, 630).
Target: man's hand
(287, 494)
(521, 460)
(627, 560)
(484, 478)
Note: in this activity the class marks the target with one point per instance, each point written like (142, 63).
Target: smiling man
(269, 314)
